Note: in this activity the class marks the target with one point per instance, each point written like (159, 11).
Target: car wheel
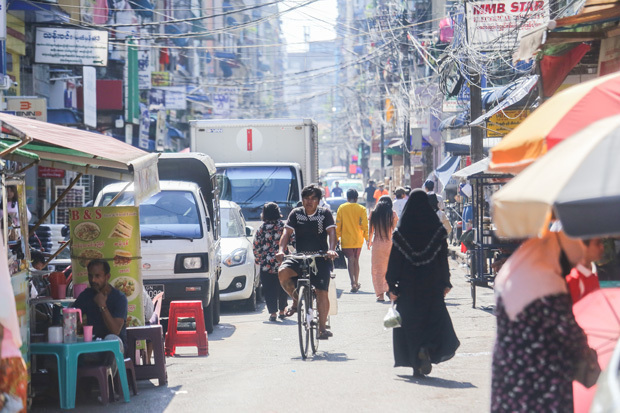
(217, 305)
(250, 303)
(208, 313)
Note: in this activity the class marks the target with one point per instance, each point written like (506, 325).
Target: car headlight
(192, 263)
(237, 257)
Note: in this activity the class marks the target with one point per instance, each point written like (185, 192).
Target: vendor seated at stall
(103, 306)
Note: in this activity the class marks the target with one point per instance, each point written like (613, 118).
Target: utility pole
(475, 105)
(383, 120)
(406, 74)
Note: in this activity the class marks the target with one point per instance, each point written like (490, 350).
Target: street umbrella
(558, 118)
(598, 314)
(579, 180)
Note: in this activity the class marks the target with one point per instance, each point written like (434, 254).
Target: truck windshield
(167, 214)
(252, 186)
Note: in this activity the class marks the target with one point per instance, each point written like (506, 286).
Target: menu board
(111, 234)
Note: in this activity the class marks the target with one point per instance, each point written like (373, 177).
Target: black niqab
(418, 223)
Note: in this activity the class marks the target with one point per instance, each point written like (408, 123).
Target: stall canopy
(80, 151)
(461, 146)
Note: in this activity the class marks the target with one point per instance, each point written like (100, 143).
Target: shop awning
(508, 96)
(473, 169)
(81, 151)
(462, 145)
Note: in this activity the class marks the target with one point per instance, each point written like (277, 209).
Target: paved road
(255, 366)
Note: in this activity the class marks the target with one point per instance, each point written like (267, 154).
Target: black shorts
(320, 280)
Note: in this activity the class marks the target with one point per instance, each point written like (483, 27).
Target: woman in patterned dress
(418, 276)
(265, 249)
(538, 340)
(13, 374)
(382, 222)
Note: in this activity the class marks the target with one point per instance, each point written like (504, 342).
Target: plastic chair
(176, 338)
(131, 377)
(154, 334)
(103, 374)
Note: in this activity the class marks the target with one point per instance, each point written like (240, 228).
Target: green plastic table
(67, 356)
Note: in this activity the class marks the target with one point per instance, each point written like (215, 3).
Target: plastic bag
(392, 318)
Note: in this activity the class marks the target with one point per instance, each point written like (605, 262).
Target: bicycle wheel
(314, 324)
(303, 307)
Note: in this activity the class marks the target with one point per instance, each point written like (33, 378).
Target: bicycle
(307, 311)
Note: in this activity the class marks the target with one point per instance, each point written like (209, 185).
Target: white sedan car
(239, 279)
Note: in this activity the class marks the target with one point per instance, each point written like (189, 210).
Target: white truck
(258, 161)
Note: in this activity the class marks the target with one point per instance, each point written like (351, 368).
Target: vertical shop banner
(132, 92)
(112, 234)
(89, 82)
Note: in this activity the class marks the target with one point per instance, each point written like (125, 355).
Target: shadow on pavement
(436, 382)
(222, 331)
(325, 356)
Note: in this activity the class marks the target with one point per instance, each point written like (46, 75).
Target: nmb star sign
(498, 25)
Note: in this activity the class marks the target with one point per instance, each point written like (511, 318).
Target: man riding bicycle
(311, 225)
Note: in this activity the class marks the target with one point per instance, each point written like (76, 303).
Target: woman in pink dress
(382, 222)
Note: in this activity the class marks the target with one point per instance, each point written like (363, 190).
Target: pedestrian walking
(352, 230)
(400, 201)
(582, 279)
(336, 190)
(418, 276)
(380, 192)
(539, 344)
(383, 220)
(369, 193)
(266, 244)
(434, 202)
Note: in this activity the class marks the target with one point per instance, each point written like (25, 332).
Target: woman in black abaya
(418, 275)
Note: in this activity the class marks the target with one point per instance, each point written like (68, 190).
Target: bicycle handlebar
(320, 254)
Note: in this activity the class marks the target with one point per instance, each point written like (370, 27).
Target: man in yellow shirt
(352, 230)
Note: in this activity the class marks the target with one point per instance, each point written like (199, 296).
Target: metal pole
(475, 105)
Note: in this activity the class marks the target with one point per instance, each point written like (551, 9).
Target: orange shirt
(379, 193)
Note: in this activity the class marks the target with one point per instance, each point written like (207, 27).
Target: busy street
(310, 206)
(254, 364)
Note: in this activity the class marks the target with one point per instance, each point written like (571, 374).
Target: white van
(179, 227)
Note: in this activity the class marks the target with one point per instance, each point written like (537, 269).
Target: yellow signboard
(503, 122)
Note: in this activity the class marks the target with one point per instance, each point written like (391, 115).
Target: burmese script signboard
(503, 122)
(65, 46)
(498, 25)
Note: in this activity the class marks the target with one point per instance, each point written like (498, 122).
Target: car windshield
(252, 186)
(167, 214)
(232, 224)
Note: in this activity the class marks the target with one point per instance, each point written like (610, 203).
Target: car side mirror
(249, 231)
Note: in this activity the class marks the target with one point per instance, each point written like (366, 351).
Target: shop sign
(71, 46)
(46, 172)
(160, 79)
(33, 108)
(2, 19)
(144, 69)
(111, 234)
(498, 25)
(503, 122)
(451, 105)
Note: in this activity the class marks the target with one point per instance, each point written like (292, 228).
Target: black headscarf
(420, 234)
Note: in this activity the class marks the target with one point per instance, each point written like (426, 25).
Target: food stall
(25, 143)
(487, 248)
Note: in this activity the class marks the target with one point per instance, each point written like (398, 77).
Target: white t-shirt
(399, 205)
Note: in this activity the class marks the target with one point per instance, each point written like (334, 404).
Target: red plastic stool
(175, 338)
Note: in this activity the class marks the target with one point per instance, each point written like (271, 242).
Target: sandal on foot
(324, 335)
(282, 316)
(272, 318)
(290, 312)
(354, 288)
